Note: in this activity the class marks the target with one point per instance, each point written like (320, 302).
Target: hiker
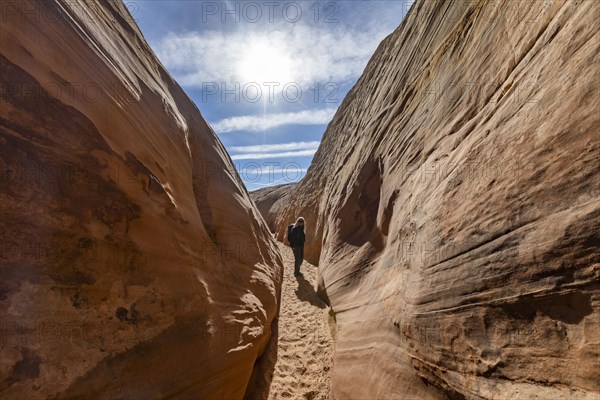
(296, 238)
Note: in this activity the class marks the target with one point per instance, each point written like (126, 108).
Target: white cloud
(282, 150)
(290, 171)
(256, 156)
(275, 147)
(256, 186)
(320, 54)
(260, 123)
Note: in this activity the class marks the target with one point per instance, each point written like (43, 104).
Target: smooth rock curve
(453, 207)
(134, 264)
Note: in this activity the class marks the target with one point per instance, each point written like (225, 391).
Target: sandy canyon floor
(305, 345)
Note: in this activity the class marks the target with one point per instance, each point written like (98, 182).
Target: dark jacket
(297, 237)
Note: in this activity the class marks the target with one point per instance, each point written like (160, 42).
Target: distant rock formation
(454, 207)
(270, 201)
(134, 264)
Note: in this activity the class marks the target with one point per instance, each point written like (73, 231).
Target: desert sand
(305, 345)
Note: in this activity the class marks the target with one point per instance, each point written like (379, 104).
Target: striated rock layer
(453, 207)
(134, 264)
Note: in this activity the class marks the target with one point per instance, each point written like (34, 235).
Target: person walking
(296, 237)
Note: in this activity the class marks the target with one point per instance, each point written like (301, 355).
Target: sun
(264, 62)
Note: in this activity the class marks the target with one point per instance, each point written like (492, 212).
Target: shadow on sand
(306, 292)
(262, 374)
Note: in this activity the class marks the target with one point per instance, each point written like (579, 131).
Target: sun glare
(263, 62)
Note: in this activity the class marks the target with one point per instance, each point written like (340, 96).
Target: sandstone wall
(134, 264)
(453, 207)
(270, 202)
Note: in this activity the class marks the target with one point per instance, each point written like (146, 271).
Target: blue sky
(267, 75)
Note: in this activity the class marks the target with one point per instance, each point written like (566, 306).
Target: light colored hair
(300, 219)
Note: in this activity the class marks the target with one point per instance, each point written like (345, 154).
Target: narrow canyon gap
(452, 209)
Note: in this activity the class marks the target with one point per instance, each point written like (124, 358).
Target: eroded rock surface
(453, 207)
(270, 202)
(134, 264)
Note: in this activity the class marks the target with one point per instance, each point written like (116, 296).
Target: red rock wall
(134, 264)
(453, 207)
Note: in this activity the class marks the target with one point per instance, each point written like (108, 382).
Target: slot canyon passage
(453, 236)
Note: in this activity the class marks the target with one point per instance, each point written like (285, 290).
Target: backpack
(289, 233)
